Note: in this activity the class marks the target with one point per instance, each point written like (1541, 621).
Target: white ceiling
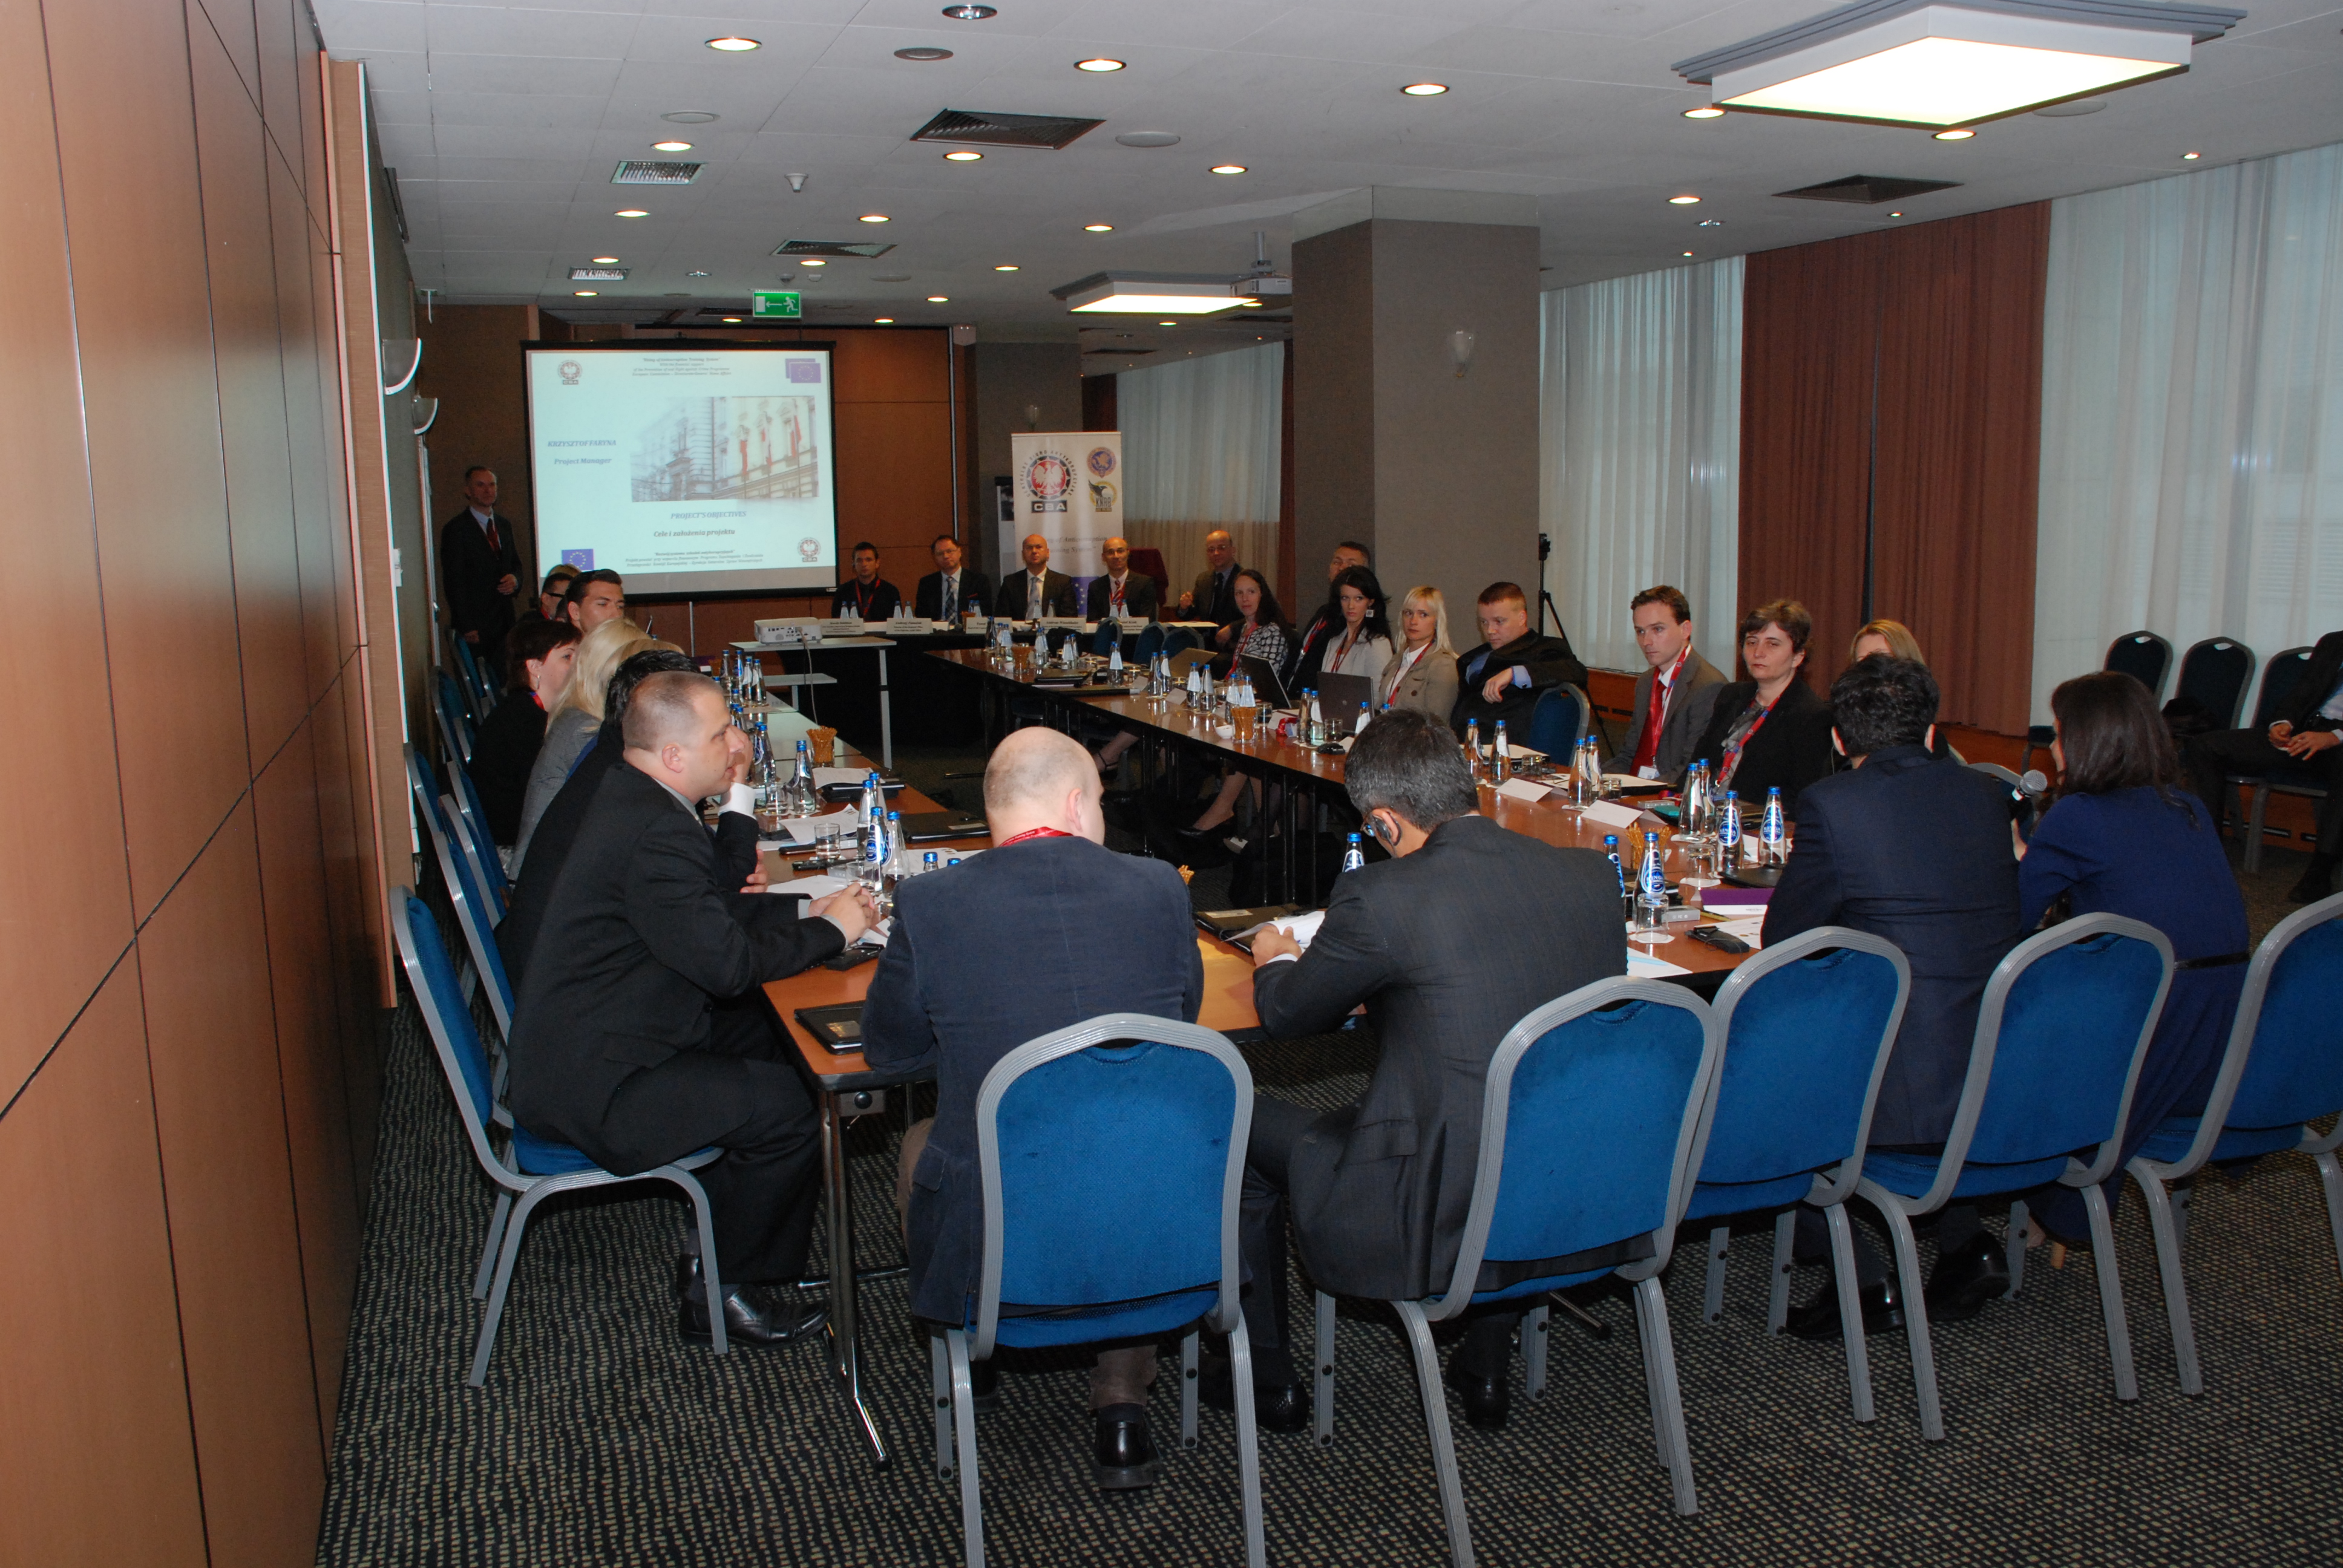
(504, 124)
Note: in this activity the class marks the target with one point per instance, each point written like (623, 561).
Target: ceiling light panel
(1149, 293)
(1891, 62)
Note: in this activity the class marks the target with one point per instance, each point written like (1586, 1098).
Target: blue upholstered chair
(1075, 1253)
(471, 822)
(1180, 639)
(1556, 722)
(479, 691)
(2216, 674)
(1150, 643)
(2065, 1020)
(527, 1168)
(2284, 1069)
(454, 729)
(1808, 1025)
(461, 872)
(1590, 1122)
(2144, 655)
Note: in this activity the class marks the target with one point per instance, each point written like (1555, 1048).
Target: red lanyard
(1033, 833)
(862, 598)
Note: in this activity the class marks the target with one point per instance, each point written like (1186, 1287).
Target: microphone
(2034, 782)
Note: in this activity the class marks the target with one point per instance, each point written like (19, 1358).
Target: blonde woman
(1421, 675)
(576, 714)
(1891, 638)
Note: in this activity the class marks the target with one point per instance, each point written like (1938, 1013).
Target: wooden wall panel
(70, 918)
(235, 160)
(899, 454)
(232, 22)
(286, 57)
(472, 364)
(96, 1460)
(301, 961)
(219, 1111)
(315, 524)
(125, 118)
(891, 367)
(346, 898)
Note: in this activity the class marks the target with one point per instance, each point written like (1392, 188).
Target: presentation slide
(686, 469)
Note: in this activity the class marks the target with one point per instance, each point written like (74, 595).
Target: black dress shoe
(753, 1315)
(2316, 884)
(1965, 1278)
(1122, 1456)
(1276, 1406)
(984, 1384)
(1487, 1397)
(1818, 1319)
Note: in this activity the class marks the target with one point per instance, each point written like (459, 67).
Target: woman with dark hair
(1769, 731)
(2124, 837)
(1261, 630)
(538, 654)
(1362, 643)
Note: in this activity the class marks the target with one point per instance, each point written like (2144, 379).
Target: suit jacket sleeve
(1809, 893)
(1060, 595)
(735, 849)
(2317, 683)
(1346, 963)
(674, 904)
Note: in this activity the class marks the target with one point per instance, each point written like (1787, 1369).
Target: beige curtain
(1200, 452)
(1183, 545)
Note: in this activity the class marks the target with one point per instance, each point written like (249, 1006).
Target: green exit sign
(777, 304)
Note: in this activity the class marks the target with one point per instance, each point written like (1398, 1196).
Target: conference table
(848, 1088)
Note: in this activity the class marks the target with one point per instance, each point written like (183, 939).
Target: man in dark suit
(1214, 597)
(2305, 740)
(1378, 1189)
(638, 1035)
(1121, 595)
(943, 594)
(1037, 590)
(1661, 736)
(1915, 849)
(1047, 930)
(865, 595)
(479, 566)
(1503, 677)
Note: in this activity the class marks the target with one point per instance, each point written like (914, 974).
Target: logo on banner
(1048, 479)
(582, 560)
(810, 550)
(571, 370)
(802, 369)
(1102, 461)
(1101, 495)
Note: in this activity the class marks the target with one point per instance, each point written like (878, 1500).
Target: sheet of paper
(1301, 927)
(1609, 815)
(803, 832)
(1523, 790)
(1641, 965)
(812, 886)
(823, 776)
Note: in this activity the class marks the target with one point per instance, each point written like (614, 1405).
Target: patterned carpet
(602, 1439)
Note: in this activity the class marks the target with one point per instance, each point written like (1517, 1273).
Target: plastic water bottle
(1728, 831)
(928, 862)
(1114, 659)
(1774, 831)
(1651, 887)
(1504, 755)
(1195, 684)
(1316, 718)
(1618, 871)
(1473, 746)
(951, 863)
(898, 862)
(1359, 725)
(1354, 857)
(873, 873)
(872, 813)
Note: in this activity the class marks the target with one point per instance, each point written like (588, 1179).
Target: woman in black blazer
(1770, 731)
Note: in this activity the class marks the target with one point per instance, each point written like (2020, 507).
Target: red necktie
(1648, 746)
(494, 547)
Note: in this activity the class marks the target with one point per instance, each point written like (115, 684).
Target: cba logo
(571, 370)
(810, 550)
(1047, 477)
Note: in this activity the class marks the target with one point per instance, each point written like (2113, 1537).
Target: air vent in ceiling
(1115, 353)
(832, 248)
(1003, 130)
(655, 171)
(598, 275)
(1868, 190)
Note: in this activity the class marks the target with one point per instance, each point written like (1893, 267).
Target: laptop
(1189, 658)
(934, 827)
(1264, 679)
(1339, 696)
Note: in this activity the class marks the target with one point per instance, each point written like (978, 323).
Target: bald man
(1046, 928)
(1213, 597)
(1120, 595)
(1037, 590)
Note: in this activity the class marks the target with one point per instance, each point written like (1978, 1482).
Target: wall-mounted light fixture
(1460, 352)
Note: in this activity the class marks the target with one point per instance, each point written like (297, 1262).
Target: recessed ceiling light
(882, 321)
(732, 321)
(1148, 294)
(1248, 304)
(1687, 253)
(631, 212)
(1894, 214)
(963, 157)
(1100, 65)
(1955, 135)
(1005, 267)
(583, 293)
(1424, 89)
(970, 12)
(874, 217)
(605, 261)
(812, 261)
(1706, 112)
(734, 46)
(1683, 201)
(1228, 168)
(2190, 157)
(1167, 324)
(939, 299)
(670, 146)
(1098, 228)
(922, 54)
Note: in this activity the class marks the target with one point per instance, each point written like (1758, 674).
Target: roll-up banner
(1068, 488)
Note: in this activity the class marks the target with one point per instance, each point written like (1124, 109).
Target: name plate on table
(844, 626)
(907, 626)
(1609, 816)
(1060, 623)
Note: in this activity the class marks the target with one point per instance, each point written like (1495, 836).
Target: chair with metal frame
(2283, 1069)
(471, 821)
(461, 872)
(1627, 1068)
(2279, 678)
(1073, 1254)
(2065, 1019)
(1557, 721)
(2142, 655)
(480, 693)
(1808, 1025)
(2216, 674)
(454, 729)
(530, 1169)
(1150, 643)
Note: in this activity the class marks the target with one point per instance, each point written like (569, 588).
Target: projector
(789, 629)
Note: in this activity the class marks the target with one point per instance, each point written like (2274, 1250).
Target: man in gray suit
(1674, 696)
(1449, 943)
